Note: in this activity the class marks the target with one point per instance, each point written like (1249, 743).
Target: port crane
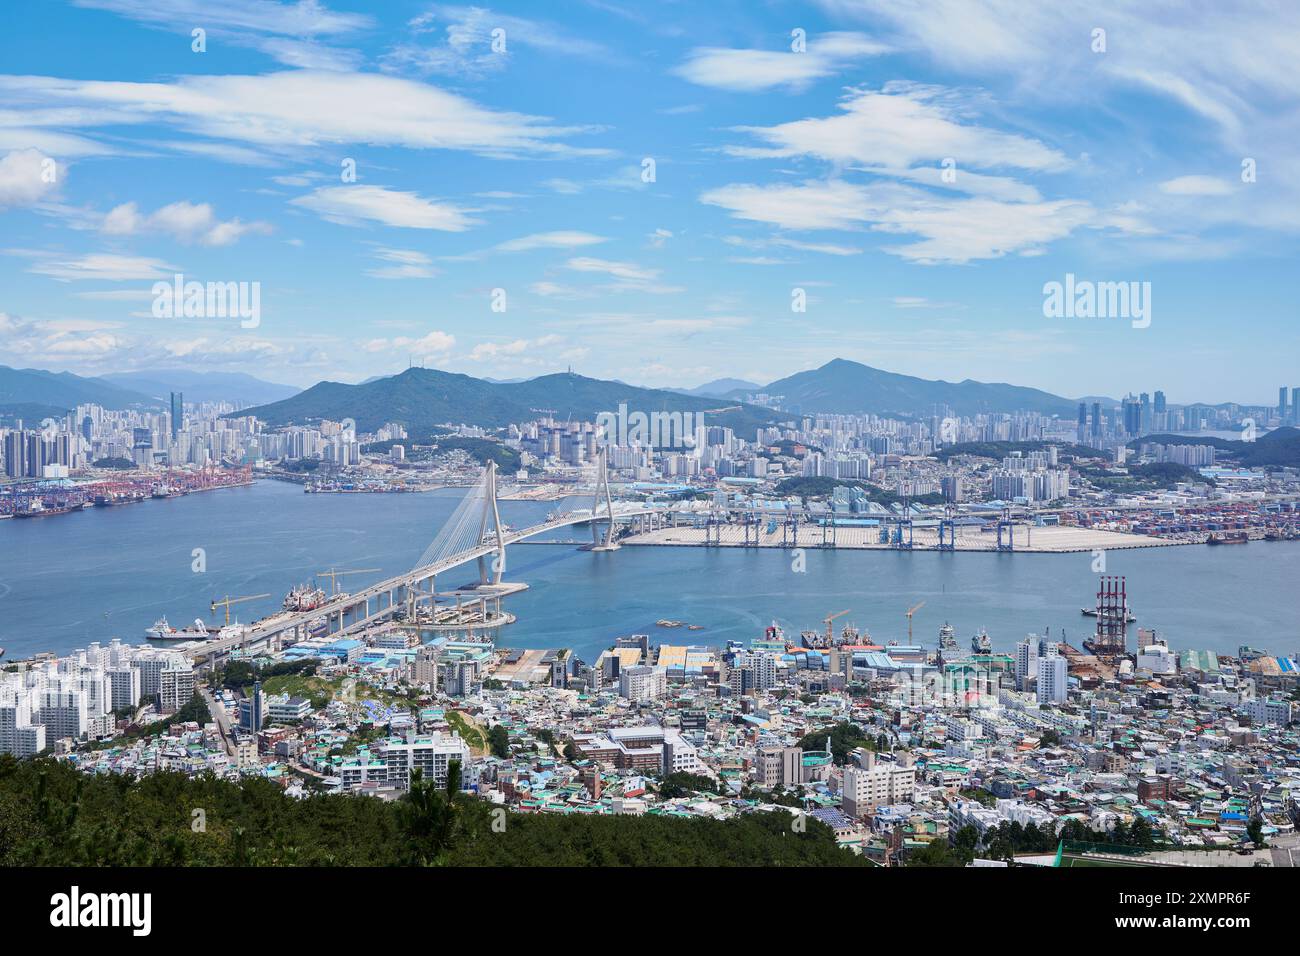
(909, 620)
(830, 641)
(228, 600)
(333, 575)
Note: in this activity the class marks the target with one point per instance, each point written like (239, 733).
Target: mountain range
(721, 387)
(202, 386)
(32, 391)
(851, 388)
(421, 398)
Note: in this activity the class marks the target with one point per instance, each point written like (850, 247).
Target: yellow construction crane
(909, 620)
(228, 600)
(333, 575)
(827, 621)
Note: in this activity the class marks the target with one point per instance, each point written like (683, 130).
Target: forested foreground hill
(54, 815)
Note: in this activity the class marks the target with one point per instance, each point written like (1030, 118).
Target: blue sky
(522, 169)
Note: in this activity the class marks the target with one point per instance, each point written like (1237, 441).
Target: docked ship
(1232, 537)
(162, 631)
(947, 639)
(38, 509)
(981, 643)
(304, 598)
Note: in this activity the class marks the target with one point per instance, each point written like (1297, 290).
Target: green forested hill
(54, 815)
(420, 398)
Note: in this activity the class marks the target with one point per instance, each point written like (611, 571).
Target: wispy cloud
(750, 71)
(357, 205)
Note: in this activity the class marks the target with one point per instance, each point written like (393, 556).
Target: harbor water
(68, 580)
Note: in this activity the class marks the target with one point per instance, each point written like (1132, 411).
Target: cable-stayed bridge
(473, 532)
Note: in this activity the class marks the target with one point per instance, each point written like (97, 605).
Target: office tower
(1161, 406)
(178, 413)
(1295, 406)
(1132, 417)
(1083, 420)
(1281, 402)
(1096, 419)
(250, 710)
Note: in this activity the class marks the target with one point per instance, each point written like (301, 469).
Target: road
(219, 715)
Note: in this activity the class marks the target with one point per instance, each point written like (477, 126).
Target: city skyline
(523, 168)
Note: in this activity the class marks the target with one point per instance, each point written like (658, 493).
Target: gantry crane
(909, 620)
(333, 575)
(830, 641)
(228, 600)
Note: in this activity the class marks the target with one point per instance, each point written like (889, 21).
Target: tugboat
(981, 643)
(304, 598)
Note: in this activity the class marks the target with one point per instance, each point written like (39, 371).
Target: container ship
(38, 509)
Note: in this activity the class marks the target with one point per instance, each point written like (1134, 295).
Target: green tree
(499, 741)
(934, 853)
(1255, 830)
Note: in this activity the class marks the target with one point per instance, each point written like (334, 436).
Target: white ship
(162, 631)
(947, 638)
(981, 643)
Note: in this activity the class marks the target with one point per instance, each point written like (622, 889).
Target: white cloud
(23, 178)
(103, 266)
(356, 204)
(281, 111)
(619, 270)
(468, 51)
(1232, 64)
(898, 127)
(287, 32)
(55, 340)
(950, 230)
(555, 290)
(825, 248)
(402, 264)
(1196, 186)
(185, 221)
(811, 205)
(749, 71)
(434, 343)
(562, 239)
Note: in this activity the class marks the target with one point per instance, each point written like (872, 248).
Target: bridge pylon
(602, 490)
(490, 509)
